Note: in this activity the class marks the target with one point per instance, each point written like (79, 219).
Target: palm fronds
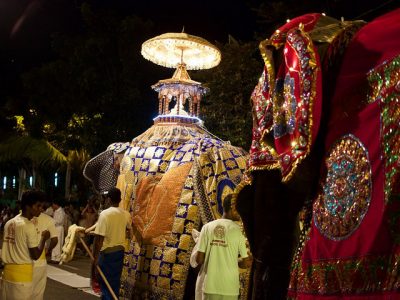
(39, 151)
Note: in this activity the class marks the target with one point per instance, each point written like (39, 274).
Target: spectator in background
(68, 218)
(48, 209)
(89, 215)
(75, 213)
(59, 219)
(17, 209)
(6, 215)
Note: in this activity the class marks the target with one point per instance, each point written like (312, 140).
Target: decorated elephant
(320, 198)
(173, 178)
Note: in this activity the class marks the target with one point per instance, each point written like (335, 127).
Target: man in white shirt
(110, 240)
(221, 243)
(59, 219)
(49, 209)
(20, 248)
(42, 223)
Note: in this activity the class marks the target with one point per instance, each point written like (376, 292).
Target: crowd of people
(66, 215)
(7, 213)
(36, 234)
(25, 249)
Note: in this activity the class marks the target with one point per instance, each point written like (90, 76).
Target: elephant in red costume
(326, 151)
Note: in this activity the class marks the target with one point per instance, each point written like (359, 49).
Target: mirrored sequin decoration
(346, 193)
(290, 103)
(286, 102)
(385, 87)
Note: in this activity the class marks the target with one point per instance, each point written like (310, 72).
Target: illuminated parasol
(183, 52)
(170, 49)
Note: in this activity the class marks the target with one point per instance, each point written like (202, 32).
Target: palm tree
(76, 161)
(29, 154)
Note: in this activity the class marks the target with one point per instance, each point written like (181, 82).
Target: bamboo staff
(98, 268)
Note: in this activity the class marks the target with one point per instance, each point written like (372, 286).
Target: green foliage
(226, 110)
(92, 94)
(97, 91)
(39, 151)
(87, 97)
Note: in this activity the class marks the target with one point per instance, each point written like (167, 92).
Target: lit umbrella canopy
(171, 49)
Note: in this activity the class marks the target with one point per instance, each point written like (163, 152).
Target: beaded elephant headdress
(287, 100)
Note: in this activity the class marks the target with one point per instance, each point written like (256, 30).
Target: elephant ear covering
(287, 100)
(100, 169)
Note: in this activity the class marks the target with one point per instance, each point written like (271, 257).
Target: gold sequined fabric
(173, 178)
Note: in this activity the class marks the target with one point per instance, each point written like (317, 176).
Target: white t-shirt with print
(222, 241)
(112, 224)
(42, 223)
(19, 235)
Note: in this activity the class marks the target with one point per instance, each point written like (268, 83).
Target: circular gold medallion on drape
(346, 193)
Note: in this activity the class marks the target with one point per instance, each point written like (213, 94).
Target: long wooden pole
(98, 268)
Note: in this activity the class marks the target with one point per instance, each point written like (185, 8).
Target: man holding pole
(110, 240)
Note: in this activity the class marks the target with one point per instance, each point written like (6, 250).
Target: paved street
(56, 290)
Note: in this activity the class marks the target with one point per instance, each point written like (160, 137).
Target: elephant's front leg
(269, 214)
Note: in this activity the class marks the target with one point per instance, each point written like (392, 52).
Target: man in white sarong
(43, 222)
(59, 219)
(20, 247)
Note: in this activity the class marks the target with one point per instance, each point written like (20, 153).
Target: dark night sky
(26, 26)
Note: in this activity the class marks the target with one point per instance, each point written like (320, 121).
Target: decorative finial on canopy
(183, 52)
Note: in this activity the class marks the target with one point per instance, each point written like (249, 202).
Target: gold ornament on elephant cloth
(156, 201)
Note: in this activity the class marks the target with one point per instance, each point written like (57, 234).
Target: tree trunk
(21, 182)
(68, 182)
(34, 175)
